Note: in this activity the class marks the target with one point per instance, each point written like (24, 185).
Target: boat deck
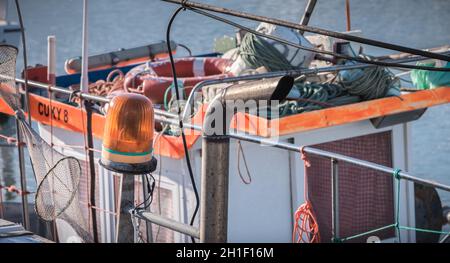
(14, 233)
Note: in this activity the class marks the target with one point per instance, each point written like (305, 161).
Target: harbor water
(125, 24)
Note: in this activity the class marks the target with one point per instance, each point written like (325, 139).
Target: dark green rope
(396, 175)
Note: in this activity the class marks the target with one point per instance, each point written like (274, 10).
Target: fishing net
(57, 176)
(8, 91)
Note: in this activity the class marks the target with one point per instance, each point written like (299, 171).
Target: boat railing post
(125, 229)
(335, 199)
(23, 178)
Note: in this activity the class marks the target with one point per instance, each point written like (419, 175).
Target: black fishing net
(57, 175)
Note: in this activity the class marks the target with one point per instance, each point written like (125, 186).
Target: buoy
(153, 78)
(121, 58)
(128, 135)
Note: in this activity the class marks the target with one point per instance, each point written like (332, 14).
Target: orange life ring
(153, 78)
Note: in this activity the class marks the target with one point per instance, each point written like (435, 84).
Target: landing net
(57, 176)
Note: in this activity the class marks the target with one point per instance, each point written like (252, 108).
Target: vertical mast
(84, 63)
(51, 60)
(307, 14)
(347, 14)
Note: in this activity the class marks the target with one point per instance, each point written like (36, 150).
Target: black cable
(320, 31)
(186, 150)
(150, 187)
(90, 144)
(315, 50)
(25, 60)
(187, 49)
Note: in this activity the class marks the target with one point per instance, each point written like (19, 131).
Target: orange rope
(14, 189)
(306, 229)
(77, 147)
(90, 206)
(11, 140)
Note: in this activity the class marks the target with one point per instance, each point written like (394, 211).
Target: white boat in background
(9, 30)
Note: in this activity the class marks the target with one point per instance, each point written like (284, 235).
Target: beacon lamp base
(130, 168)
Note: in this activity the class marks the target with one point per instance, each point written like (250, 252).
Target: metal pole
(335, 200)
(347, 14)
(445, 239)
(125, 230)
(168, 223)
(307, 14)
(310, 29)
(216, 150)
(214, 189)
(84, 63)
(51, 61)
(23, 177)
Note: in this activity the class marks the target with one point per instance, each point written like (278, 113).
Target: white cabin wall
(261, 210)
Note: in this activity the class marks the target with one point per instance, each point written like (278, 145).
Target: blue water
(122, 24)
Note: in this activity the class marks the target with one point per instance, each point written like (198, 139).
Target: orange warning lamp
(128, 135)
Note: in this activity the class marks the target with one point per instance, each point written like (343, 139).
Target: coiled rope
(316, 96)
(306, 228)
(369, 83)
(256, 52)
(350, 86)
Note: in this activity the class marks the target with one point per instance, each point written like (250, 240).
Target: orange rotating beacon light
(128, 135)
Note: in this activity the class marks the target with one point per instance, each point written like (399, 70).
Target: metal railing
(335, 158)
(170, 118)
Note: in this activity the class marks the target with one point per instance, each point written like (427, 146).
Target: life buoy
(153, 78)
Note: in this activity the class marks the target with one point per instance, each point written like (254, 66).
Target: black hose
(25, 60)
(186, 150)
(90, 145)
(190, 5)
(187, 49)
(315, 50)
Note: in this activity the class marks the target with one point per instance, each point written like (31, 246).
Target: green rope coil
(352, 86)
(256, 52)
(370, 83)
(315, 96)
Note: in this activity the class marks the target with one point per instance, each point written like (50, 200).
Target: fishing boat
(328, 162)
